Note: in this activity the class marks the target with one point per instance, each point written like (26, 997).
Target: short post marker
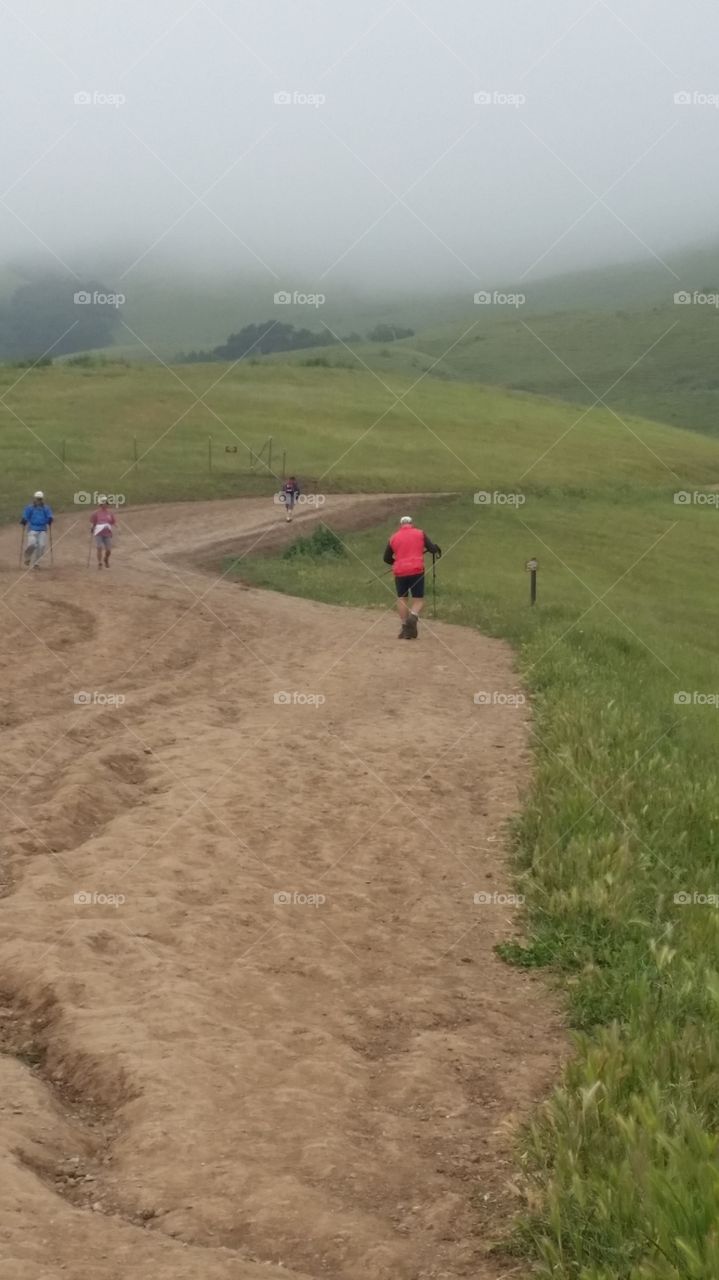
(532, 566)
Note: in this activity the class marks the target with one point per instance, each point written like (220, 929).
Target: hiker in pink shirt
(102, 523)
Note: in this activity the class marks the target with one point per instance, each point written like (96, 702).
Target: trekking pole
(89, 551)
(52, 553)
(22, 543)
(377, 576)
(434, 588)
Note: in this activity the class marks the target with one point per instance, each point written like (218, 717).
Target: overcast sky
(391, 171)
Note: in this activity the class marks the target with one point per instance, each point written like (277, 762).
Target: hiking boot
(403, 634)
(411, 625)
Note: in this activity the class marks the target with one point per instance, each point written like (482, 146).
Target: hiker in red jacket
(405, 552)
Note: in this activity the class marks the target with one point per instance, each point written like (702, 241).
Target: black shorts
(411, 585)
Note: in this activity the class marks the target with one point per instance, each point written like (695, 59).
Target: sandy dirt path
(251, 1021)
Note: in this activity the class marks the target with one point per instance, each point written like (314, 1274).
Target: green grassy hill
(659, 362)
(613, 332)
(175, 309)
(342, 427)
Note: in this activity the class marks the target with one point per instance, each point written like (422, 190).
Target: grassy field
(622, 1168)
(342, 429)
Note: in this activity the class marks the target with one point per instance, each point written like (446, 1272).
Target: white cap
(406, 520)
(102, 499)
(39, 494)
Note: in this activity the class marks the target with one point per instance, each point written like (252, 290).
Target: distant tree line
(50, 316)
(267, 337)
(388, 333)
(262, 339)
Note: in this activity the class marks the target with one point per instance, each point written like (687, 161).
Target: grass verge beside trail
(623, 1162)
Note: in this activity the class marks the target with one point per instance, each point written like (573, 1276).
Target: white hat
(102, 499)
(406, 520)
(39, 494)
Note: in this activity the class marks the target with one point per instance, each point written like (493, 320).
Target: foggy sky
(318, 192)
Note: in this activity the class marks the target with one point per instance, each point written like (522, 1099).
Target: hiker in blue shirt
(36, 518)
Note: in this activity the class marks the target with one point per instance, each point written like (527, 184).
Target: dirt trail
(284, 1048)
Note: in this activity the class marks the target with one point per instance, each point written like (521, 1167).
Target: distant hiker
(102, 523)
(405, 552)
(37, 519)
(290, 494)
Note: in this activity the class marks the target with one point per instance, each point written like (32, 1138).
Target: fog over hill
(412, 145)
